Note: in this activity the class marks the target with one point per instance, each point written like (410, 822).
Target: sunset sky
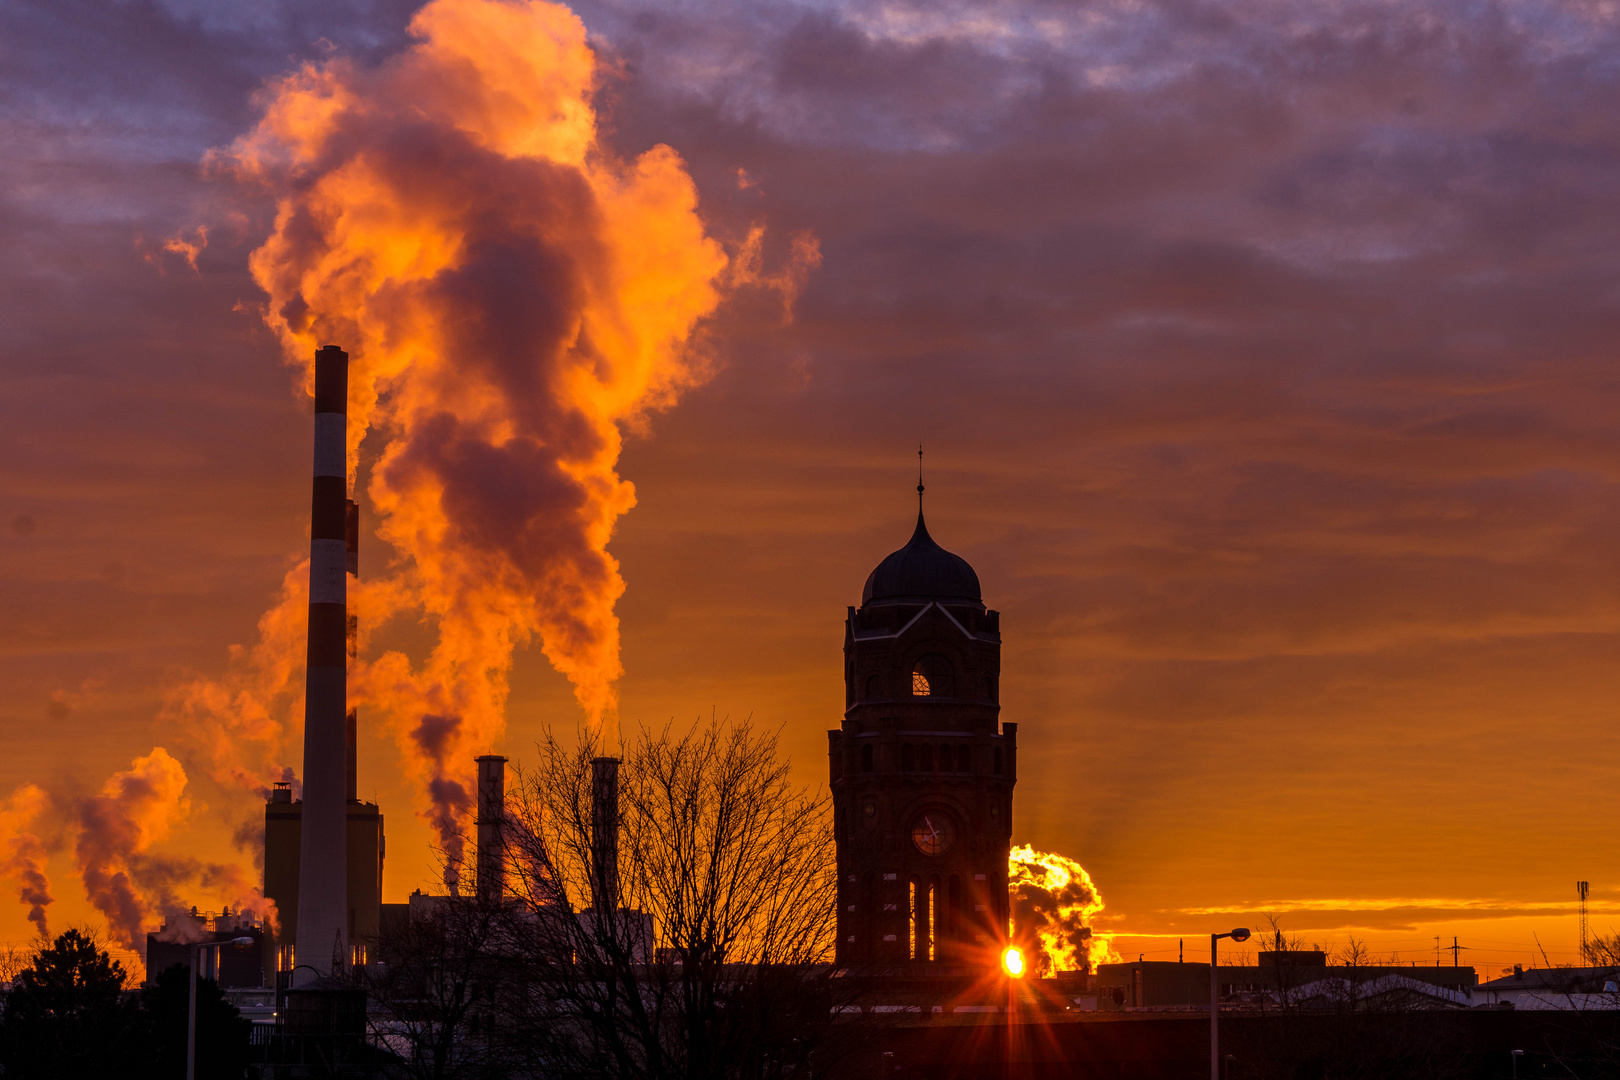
(1262, 354)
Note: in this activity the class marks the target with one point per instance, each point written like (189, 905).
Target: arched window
(989, 688)
(908, 758)
(998, 761)
(964, 759)
(866, 758)
(874, 687)
(932, 677)
(927, 758)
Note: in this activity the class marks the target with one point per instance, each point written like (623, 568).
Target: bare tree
(13, 961)
(444, 998)
(705, 951)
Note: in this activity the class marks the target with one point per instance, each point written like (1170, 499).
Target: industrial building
(232, 968)
(365, 848)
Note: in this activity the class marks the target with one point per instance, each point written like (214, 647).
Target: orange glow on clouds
(512, 294)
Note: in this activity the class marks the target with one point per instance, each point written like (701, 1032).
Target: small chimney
(281, 791)
(605, 834)
(491, 812)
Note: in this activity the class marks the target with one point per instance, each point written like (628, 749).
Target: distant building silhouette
(922, 770)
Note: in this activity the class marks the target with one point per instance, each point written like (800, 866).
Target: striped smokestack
(322, 866)
(351, 635)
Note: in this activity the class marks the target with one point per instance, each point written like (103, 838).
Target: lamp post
(1240, 934)
(191, 1010)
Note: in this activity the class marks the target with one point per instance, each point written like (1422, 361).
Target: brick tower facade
(922, 770)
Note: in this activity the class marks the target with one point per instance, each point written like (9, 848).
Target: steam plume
(135, 809)
(232, 726)
(22, 852)
(1053, 901)
(126, 881)
(512, 295)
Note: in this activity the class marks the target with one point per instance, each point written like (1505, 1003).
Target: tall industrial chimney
(323, 906)
(605, 834)
(491, 810)
(351, 638)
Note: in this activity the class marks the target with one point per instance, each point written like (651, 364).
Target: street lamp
(1240, 934)
(191, 1010)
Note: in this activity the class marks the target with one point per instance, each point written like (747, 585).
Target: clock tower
(922, 769)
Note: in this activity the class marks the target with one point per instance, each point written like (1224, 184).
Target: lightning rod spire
(919, 479)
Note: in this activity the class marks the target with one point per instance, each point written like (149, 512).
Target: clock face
(933, 833)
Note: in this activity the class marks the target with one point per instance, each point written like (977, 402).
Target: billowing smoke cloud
(185, 929)
(117, 828)
(23, 853)
(512, 296)
(124, 878)
(1053, 904)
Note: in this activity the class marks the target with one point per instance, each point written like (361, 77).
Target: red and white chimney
(323, 906)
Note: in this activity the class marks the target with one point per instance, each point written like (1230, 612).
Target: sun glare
(1013, 962)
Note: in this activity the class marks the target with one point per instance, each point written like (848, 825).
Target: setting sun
(1012, 961)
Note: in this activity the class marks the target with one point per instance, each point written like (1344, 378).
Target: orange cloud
(512, 295)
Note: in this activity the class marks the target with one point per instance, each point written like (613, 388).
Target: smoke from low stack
(23, 853)
(117, 828)
(512, 294)
(1053, 905)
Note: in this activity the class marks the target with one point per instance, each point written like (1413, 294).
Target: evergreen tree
(67, 1016)
(222, 1032)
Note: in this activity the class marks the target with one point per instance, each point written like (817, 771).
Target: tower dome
(922, 570)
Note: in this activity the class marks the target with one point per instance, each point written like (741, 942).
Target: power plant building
(366, 848)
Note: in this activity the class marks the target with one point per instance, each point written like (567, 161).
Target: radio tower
(1581, 889)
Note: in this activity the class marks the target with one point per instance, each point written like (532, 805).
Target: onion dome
(922, 570)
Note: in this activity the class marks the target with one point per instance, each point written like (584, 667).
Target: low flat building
(1570, 988)
(231, 967)
(1153, 984)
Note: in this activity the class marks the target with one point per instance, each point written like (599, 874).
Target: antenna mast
(1581, 889)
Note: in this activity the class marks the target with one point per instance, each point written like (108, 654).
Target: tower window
(927, 758)
(989, 688)
(998, 761)
(866, 758)
(874, 687)
(932, 677)
(964, 759)
(908, 758)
